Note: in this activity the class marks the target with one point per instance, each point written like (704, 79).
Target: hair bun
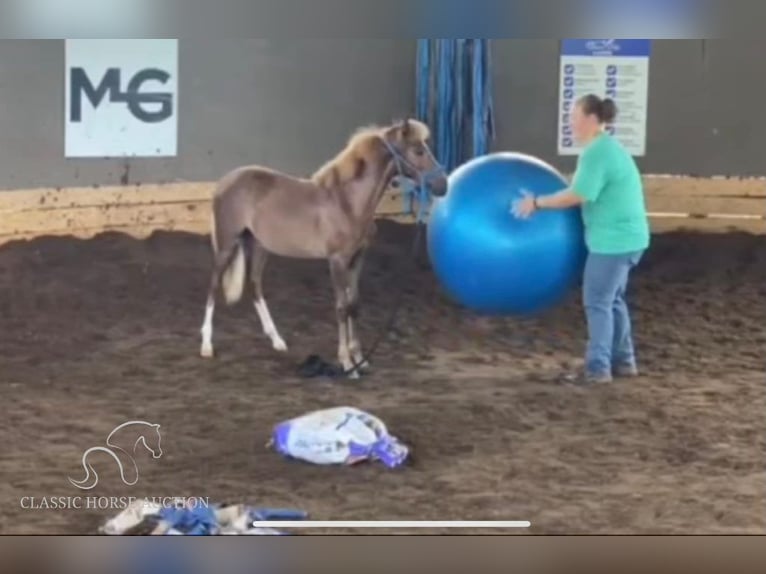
(607, 110)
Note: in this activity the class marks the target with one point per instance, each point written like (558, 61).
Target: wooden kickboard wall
(141, 209)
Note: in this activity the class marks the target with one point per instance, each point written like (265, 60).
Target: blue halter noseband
(417, 188)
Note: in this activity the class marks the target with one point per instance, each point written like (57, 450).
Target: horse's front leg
(341, 275)
(355, 347)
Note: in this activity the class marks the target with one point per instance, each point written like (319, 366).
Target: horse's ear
(406, 128)
(393, 131)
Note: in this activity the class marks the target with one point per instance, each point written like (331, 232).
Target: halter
(417, 189)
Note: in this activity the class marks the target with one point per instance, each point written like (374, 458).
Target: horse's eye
(419, 151)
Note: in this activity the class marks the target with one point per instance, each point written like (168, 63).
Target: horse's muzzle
(438, 185)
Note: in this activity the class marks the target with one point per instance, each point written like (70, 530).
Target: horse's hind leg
(206, 349)
(219, 266)
(355, 347)
(259, 258)
(228, 272)
(339, 271)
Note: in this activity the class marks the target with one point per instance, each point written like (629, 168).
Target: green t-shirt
(614, 212)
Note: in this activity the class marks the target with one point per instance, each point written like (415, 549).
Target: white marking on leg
(206, 350)
(344, 352)
(354, 347)
(344, 356)
(269, 328)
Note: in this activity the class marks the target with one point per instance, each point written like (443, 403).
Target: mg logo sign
(133, 96)
(121, 98)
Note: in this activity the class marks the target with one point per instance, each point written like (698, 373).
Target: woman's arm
(587, 183)
(561, 200)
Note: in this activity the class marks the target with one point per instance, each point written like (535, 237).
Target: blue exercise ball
(492, 262)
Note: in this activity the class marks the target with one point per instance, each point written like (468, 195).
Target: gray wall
(706, 110)
(292, 104)
(287, 104)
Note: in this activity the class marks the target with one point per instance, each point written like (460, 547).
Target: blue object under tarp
(203, 521)
(184, 519)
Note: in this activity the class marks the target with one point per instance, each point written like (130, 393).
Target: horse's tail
(232, 243)
(233, 279)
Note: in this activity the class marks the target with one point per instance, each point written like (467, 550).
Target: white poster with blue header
(618, 69)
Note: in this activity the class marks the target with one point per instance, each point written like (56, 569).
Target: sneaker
(625, 371)
(587, 379)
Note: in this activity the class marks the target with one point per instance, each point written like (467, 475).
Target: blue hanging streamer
(482, 118)
(410, 190)
(454, 97)
(478, 97)
(445, 131)
(459, 112)
(423, 81)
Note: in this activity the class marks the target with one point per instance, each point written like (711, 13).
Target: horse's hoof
(359, 361)
(279, 345)
(350, 370)
(206, 352)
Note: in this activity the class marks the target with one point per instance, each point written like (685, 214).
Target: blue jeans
(610, 340)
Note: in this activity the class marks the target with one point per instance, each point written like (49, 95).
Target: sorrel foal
(259, 212)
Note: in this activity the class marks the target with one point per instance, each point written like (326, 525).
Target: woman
(607, 185)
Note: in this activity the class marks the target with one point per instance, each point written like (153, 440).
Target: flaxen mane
(345, 166)
(360, 150)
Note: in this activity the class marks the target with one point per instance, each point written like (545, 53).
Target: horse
(258, 212)
(141, 433)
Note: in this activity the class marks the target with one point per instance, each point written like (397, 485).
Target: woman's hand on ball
(524, 207)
